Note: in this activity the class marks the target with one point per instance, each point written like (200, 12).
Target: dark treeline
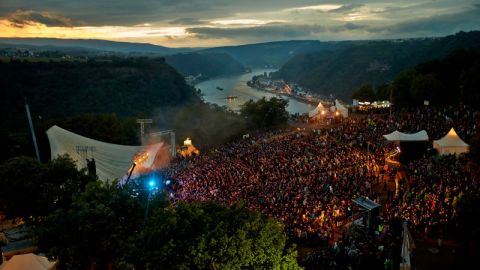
(451, 80)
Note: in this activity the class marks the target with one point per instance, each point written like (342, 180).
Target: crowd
(434, 188)
(308, 179)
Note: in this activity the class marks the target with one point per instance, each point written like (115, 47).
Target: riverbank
(310, 101)
(236, 85)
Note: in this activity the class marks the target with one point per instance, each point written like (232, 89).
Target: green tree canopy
(401, 88)
(266, 114)
(425, 87)
(30, 189)
(95, 230)
(383, 92)
(210, 236)
(447, 81)
(364, 93)
(207, 125)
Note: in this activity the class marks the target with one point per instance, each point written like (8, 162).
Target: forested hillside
(127, 87)
(339, 72)
(452, 80)
(274, 54)
(207, 64)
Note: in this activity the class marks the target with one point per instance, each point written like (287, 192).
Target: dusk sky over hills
(189, 23)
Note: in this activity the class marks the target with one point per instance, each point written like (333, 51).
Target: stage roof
(408, 137)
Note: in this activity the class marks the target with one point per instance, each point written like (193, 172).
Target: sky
(208, 23)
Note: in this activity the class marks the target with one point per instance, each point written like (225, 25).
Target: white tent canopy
(450, 144)
(317, 110)
(112, 160)
(27, 262)
(342, 109)
(409, 137)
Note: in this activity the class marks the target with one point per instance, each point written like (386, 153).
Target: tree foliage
(364, 93)
(383, 92)
(95, 230)
(343, 68)
(30, 189)
(104, 226)
(451, 80)
(210, 236)
(266, 114)
(207, 125)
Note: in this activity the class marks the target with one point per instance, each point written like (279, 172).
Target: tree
(95, 231)
(20, 187)
(207, 125)
(265, 114)
(364, 93)
(401, 88)
(383, 92)
(211, 236)
(425, 87)
(30, 189)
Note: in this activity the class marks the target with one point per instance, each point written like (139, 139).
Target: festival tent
(342, 109)
(450, 144)
(28, 261)
(112, 161)
(407, 137)
(317, 110)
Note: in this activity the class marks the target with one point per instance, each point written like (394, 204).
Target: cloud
(273, 31)
(21, 18)
(121, 12)
(186, 21)
(347, 27)
(434, 25)
(321, 8)
(265, 31)
(346, 8)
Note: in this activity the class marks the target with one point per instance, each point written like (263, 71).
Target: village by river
(217, 89)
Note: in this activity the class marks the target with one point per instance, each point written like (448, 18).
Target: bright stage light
(152, 183)
(167, 182)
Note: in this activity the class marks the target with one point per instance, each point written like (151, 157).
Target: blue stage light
(152, 183)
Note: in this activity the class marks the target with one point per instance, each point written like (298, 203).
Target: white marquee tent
(342, 109)
(27, 262)
(112, 160)
(318, 110)
(397, 136)
(450, 144)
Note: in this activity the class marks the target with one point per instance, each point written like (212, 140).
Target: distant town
(266, 82)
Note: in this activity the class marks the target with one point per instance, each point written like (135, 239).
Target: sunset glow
(213, 23)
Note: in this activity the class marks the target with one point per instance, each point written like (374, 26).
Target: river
(236, 85)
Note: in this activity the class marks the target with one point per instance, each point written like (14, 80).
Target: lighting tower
(142, 123)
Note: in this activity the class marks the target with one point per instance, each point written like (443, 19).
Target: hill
(127, 87)
(91, 44)
(273, 54)
(340, 71)
(449, 81)
(207, 64)
(100, 98)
